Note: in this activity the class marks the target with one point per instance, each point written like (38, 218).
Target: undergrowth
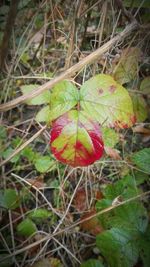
(54, 214)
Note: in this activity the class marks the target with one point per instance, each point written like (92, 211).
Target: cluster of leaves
(76, 116)
(125, 236)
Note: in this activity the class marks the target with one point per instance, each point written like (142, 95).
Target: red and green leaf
(76, 140)
(106, 101)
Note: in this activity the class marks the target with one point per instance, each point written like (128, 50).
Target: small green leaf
(44, 115)
(110, 137)
(44, 164)
(38, 100)
(106, 101)
(92, 263)
(28, 153)
(118, 248)
(140, 108)
(142, 159)
(40, 215)
(26, 228)
(145, 85)
(11, 199)
(8, 152)
(127, 68)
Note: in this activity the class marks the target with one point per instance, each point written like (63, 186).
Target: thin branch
(71, 71)
(8, 30)
(20, 148)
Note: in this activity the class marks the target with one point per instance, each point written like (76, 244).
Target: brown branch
(8, 30)
(125, 12)
(20, 148)
(71, 71)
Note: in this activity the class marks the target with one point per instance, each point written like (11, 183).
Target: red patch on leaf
(92, 225)
(133, 119)
(112, 88)
(100, 91)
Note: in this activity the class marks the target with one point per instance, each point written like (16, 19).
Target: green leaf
(44, 115)
(26, 228)
(118, 248)
(11, 199)
(140, 177)
(38, 100)
(132, 217)
(92, 263)
(106, 101)
(127, 68)
(110, 137)
(145, 85)
(140, 108)
(76, 140)
(142, 159)
(44, 164)
(144, 246)
(28, 153)
(40, 215)
(64, 97)
(8, 152)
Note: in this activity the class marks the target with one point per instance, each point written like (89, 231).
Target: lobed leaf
(76, 140)
(106, 101)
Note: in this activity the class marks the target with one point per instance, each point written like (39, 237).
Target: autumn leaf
(127, 68)
(92, 225)
(76, 140)
(106, 101)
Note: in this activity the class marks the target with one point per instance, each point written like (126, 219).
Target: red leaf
(76, 140)
(80, 200)
(92, 225)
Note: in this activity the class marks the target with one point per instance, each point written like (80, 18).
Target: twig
(8, 30)
(20, 148)
(71, 71)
